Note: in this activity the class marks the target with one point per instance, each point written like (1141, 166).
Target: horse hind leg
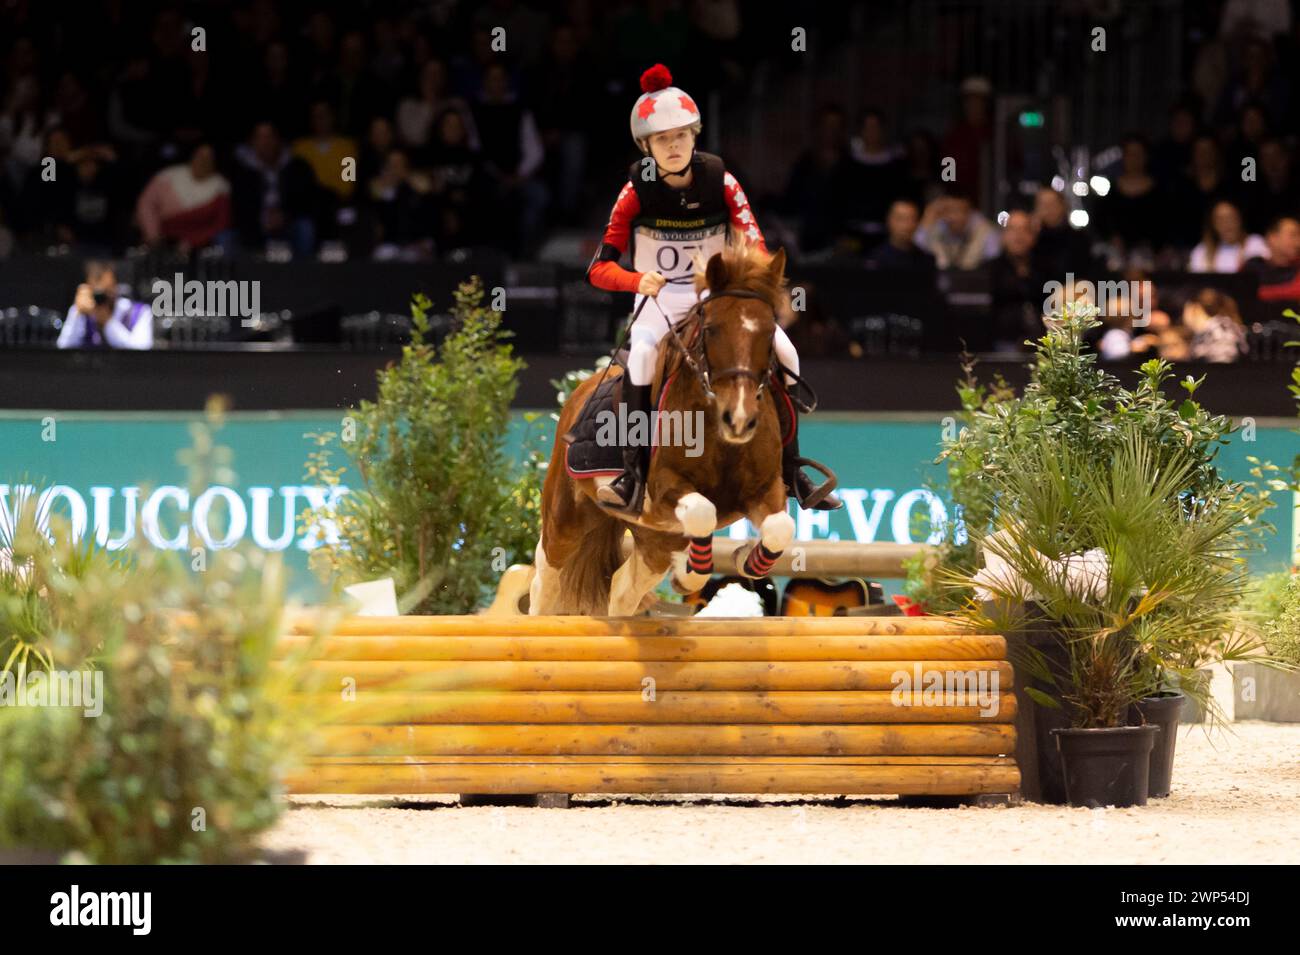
(544, 592)
(633, 582)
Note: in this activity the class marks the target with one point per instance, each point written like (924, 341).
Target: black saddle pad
(585, 457)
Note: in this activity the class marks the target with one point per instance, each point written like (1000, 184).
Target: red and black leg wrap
(760, 560)
(699, 556)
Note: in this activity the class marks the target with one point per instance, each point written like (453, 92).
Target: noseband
(699, 366)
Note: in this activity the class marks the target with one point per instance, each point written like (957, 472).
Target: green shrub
(1072, 404)
(1282, 633)
(437, 505)
(196, 730)
(1153, 598)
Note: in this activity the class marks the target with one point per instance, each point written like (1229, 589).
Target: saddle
(586, 457)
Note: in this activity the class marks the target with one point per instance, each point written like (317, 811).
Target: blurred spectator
(395, 200)
(1131, 214)
(1279, 265)
(813, 332)
(900, 253)
(1121, 325)
(458, 185)
(86, 212)
(1225, 246)
(1168, 339)
(566, 76)
(101, 317)
(1215, 325)
(514, 154)
(1279, 274)
(1275, 190)
(75, 112)
(324, 151)
(956, 234)
(1251, 131)
(921, 168)
(876, 174)
(1173, 154)
(188, 203)
(374, 152)
(416, 114)
(1263, 18)
(1060, 248)
(1255, 80)
(969, 141)
(354, 93)
(820, 181)
(23, 126)
(1018, 289)
(278, 93)
(1195, 194)
(275, 194)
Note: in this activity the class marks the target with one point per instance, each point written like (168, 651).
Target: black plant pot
(1041, 776)
(1162, 711)
(1107, 767)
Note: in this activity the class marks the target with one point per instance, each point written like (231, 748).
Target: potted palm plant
(1138, 580)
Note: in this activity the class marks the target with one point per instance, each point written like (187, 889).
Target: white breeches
(651, 326)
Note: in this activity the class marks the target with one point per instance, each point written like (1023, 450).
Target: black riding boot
(626, 492)
(798, 485)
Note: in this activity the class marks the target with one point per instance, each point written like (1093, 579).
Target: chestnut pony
(719, 362)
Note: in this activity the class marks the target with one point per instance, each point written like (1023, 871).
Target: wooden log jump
(538, 705)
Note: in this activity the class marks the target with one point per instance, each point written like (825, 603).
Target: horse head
(734, 352)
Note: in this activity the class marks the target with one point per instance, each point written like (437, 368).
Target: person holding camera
(101, 318)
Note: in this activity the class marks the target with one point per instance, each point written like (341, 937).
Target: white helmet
(661, 107)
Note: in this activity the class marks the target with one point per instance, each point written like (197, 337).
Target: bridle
(699, 364)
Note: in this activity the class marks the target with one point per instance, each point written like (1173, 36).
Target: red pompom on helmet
(656, 78)
(661, 107)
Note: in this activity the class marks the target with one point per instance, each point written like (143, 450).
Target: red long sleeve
(742, 217)
(606, 273)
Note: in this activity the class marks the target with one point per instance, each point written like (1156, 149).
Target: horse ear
(715, 273)
(777, 266)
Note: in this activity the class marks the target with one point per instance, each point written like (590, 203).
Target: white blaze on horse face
(737, 431)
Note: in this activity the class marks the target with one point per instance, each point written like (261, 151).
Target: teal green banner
(117, 477)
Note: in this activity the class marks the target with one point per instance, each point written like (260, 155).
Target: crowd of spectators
(393, 130)
(405, 131)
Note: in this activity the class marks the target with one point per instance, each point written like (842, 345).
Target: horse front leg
(698, 518)
(775, 532)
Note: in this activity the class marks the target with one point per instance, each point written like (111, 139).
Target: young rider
(677, 203)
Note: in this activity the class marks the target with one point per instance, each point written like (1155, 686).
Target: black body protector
(674, 225)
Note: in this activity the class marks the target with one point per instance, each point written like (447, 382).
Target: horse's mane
(746, 266)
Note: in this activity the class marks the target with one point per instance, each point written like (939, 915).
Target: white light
(1079, 218)
(1080, 188)
(1058, 183)
(1100, 185)
(1003, 216)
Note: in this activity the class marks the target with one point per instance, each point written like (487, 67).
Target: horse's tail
(585, 576)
